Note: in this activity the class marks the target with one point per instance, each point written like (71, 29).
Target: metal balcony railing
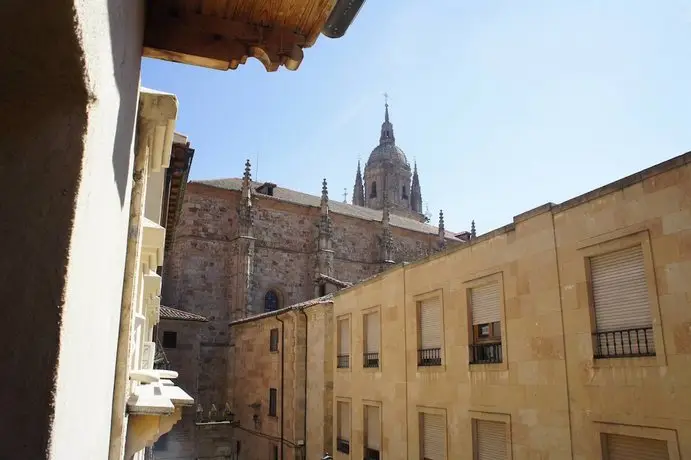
(371, 454)
(429, 357)
(343, 361)
(485, 353)
(370, 360)
(343, 445)
(624, 343)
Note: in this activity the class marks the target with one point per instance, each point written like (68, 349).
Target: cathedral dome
(388, 152)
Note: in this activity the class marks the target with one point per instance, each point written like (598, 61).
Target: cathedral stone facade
(243, 248)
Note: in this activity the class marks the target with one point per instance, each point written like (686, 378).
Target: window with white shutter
(370, 356)
(620, 447)
(343, 353)
(372, 433)
(433, 436)
(490, 440)
(623, 321)
(485, 309)
(430, 333)
(343, 426)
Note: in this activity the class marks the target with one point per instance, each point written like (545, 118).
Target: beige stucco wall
(70, 91)
(555, 398)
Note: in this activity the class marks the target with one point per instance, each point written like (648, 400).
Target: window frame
(337, 425)
(165, 336)
(602, 429)
(421, 410)
(610, 242)
(418, 300)
(365, 425)
(480, 280)
(273, 402)
(346, 317)
(273, 340)
(491, 417)
(371, 311)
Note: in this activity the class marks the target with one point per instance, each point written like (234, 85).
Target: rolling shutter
(344, 337)
(372, 333)
(491, 440)
(621, 447)
(344, 420)
(485, 302)
(620, 296)
(373, 427)
(430, 323)
(433, 437)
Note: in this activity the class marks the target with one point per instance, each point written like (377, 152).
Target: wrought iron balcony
(343, 361)
(429, 357)
(370, 360)
(343, 445)
(485, 353)
(624, 343)
(371, 454)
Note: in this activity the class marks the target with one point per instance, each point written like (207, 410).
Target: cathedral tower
(387, 172)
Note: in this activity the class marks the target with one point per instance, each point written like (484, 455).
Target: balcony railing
(429, 357)
(624, 343)
(343, 445)
(370, 360)
(485, 353)
(343, 361)
(371, 454)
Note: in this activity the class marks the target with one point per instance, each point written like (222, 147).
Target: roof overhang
(222, 34)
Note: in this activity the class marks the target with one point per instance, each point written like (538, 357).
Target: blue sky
(505, 104)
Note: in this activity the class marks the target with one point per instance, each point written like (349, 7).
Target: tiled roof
(334, 281)
(179, 315)
(328, 298)
(337, 207)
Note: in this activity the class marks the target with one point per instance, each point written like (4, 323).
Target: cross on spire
(386, 98)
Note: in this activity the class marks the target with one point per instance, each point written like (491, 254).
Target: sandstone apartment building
(563, 335)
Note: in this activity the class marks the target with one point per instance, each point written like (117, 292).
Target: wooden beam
(219, 43)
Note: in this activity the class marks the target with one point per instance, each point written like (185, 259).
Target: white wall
(111, 33)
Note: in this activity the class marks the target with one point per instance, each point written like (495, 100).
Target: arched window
(373, 192)
(271, 301)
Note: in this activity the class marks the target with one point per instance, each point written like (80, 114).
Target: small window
(620, 447)
(404, 193)
(372, 432)
(170, 339)
(271, 301)
(373, 192)
(343, 352)
(433, 437)
(322, 290)
(489, 439)
(371, 337)
(272, 401)
(430, 333)
(273, 340)
(485, 306)
(274, 449)
(343, 427)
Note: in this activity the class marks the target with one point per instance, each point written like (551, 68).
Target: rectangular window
(274, 452)
(372, 433)
(485, 307)
(490, 440)
(273, 340)
(620, 447)
(343, 358)
(170, 339)
(370, 357)
(272, 401)
(432, 437)
(343, 428)
(430, 333)
(623, 322)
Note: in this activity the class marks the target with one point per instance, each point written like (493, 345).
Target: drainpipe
(282, 382)
(304, 438)
(129, 295)
(405, 361)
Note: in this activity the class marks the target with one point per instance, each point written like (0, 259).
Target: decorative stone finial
(473, 235)
(442, 232)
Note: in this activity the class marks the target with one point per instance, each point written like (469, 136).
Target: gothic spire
(415, 192)
(246, 181)
(245, 210)
(386, 136)
(442, 232)
(325, 198)
(358, 189)
(387, 236)
(473, 235)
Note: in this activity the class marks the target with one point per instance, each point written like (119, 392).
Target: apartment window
(620, 447)
(370, 357)
(272, 401)
(623, 322)
(273, 340)
(433, 436)
(430, 333)
(490, 440)
(343, 428)
(170, 339)
(343, 357)
(372, 433)
(485, 306)
(274, 452)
